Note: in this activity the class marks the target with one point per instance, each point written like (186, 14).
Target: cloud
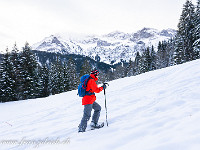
(32, 20)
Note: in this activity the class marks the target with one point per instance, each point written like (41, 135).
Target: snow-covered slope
(158, 110)
(112, 47)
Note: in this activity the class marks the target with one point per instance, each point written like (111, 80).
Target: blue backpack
(82, 86)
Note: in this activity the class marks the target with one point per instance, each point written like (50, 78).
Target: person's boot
(80, 129)
(96, 125)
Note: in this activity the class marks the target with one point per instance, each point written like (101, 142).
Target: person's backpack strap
(90, 91)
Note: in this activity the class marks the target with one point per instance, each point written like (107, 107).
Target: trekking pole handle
(105, 83)
(105, 89)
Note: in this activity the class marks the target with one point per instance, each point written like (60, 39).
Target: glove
(104, 86)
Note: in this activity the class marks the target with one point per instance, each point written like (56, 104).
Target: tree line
(23, 76)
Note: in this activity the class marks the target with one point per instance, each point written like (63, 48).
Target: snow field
(158, 110)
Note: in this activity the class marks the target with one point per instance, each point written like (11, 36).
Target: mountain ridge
(111, 48)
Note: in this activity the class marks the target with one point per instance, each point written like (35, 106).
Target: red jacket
(89, 99)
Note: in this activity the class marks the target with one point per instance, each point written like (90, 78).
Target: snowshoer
(89, 103)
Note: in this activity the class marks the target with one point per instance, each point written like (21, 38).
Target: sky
(32, 20)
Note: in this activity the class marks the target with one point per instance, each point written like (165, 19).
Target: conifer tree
(7, 90)
(57, 82)
(1, 83)
(120, 71)
(196, 43)
(73, 79)
(185, 38)
(45, 81)
(170, 52)
(137, 63)
(162, 55)
(86, 68)
(178, 55)
(147, 60)
(15, 72)
(153, 58)
(60, 76)
(29, 65)
(66, 78)
(130, 68)
(53, 81)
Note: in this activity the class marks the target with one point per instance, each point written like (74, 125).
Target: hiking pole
(105, 102)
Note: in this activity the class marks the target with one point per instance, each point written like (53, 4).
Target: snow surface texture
(158, 110)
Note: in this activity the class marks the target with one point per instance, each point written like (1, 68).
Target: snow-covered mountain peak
(149, 33)
(149, 30)
(57, 44)
(118, 35)
(111, 47)
(168, 32)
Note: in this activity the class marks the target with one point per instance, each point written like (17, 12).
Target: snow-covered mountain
(111, 48)
(158, 110)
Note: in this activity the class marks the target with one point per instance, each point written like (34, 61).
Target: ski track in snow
(158, 110)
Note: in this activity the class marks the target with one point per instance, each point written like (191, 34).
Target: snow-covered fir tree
(197, 31)
(16, 70)
(6, 79)
(130, 68)
(137, 63)
(73, 78)
(120, 71)
(54, 78)
(45, 81)
(30, 79)
(162, 55)
(184, 40)
(147, 60)
(85, 68)
(153, 58)
(170, 52)
(65, 77)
